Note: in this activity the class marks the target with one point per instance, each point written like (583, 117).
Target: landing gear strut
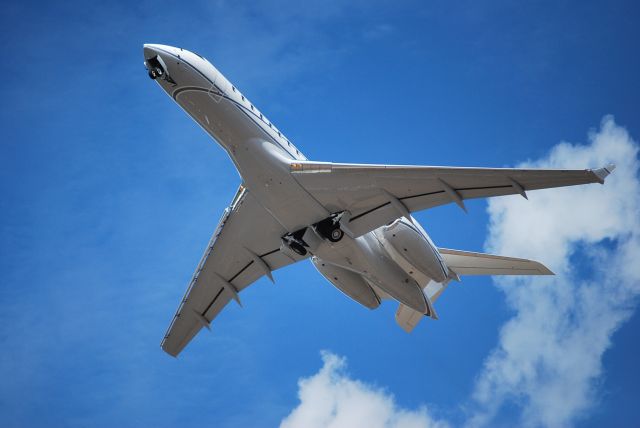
(295, 242)
(153, 74)
(157, 68)
(308, 239)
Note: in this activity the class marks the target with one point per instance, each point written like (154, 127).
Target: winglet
(602, 173)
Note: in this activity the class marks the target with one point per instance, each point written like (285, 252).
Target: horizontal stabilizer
(408, 318)
(469, 263)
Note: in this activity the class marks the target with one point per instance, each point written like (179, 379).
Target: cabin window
(233, 87)
(242, 97)
(251, 106)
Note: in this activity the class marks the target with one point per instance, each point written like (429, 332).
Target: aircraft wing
(375, 195)
(244, 246)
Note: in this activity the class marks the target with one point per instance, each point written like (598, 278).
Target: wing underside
(375, 195)
(244, 247)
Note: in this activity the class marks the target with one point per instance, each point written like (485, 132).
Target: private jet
(352, 220)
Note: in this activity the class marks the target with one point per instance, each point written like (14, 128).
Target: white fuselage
(263, 157)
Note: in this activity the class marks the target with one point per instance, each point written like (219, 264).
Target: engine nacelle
(350, 283)
(415, 247)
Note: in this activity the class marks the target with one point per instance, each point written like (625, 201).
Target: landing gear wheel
(336, 235)
(329, 228)
(153, 74)
(294, 242)
(299, 249)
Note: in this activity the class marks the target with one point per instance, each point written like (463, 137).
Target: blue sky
(110, 193)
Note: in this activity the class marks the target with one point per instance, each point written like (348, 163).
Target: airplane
(352, 220)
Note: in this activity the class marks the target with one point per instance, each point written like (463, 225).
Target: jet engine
(414, 246)
(350, 283)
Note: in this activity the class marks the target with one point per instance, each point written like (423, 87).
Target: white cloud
(549, 355)
(330, 399)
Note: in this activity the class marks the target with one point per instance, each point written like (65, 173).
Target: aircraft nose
(171, 66)
(154, 62)
(149, 51)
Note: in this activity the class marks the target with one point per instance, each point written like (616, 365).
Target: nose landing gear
(154, 74)
(155, 66)
(157, 69)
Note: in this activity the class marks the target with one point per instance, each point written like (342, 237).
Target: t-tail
(468, 263)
